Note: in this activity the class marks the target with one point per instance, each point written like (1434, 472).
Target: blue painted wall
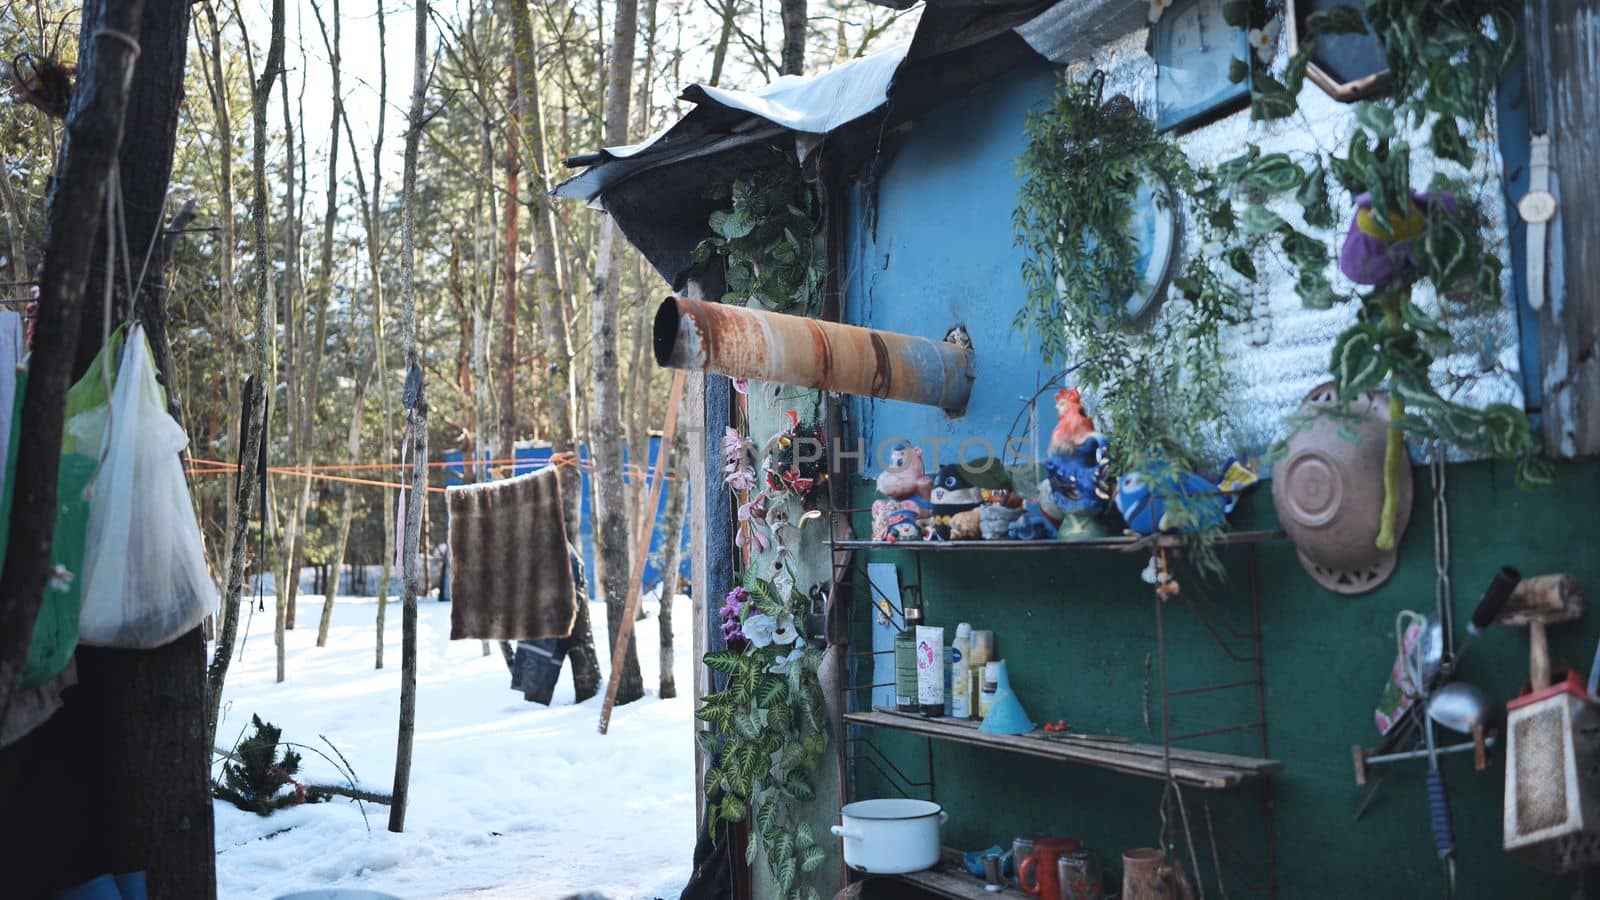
(942, 253)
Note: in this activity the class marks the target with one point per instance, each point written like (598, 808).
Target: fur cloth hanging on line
(509, 575)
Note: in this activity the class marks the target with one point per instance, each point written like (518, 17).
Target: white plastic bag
(146, 580)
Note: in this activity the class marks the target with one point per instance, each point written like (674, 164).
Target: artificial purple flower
(1371, 257)
(732, 613)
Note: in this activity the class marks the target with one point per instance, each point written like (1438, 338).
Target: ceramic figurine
(902, 525)
(1078, 470)
(994, 520)
(1145, 494)
(952, 493)
(905, 475)
(1041, 518)
(1072, 425)
(967, 526)
(906, 485)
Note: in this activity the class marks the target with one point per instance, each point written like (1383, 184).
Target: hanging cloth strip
(510, 578)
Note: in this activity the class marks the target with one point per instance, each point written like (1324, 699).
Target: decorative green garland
(1445, 60)
(1158, 388)
(771, 239)
(771, 730)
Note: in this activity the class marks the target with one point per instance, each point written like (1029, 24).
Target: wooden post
(625, 631)
(1564, 68)
(412, 572)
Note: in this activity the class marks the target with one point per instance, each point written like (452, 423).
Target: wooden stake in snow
(417, 427)
(658, 477)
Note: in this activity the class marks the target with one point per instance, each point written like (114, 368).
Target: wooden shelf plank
(948, 879)
(1120, 542)
(1191, 768)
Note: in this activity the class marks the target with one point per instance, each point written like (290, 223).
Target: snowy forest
(359, 220)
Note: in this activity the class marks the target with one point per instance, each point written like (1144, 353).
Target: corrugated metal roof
(958, 44)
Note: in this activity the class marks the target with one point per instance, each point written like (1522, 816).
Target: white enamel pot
(891, 836)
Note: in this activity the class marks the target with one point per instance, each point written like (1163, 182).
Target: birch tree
(605, 434)
(553, 309)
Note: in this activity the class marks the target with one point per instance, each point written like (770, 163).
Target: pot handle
(943, 817)
(841, 831)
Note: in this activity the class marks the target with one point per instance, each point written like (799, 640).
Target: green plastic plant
(770, 239)
(1158, 387)
(770, 730)
(1445, 60)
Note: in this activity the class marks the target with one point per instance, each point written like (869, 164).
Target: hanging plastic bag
(55, 631)
(146, 580)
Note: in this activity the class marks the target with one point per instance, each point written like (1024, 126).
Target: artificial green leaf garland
(770, 729)
(1159, 386)
(770, 239)
(1445, 60)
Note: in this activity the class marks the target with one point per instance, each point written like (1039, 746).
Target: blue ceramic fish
(1149, 496)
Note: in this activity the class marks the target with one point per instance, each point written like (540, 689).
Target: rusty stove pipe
(795, 350)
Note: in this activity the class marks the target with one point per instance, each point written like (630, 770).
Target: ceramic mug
(1039, 874)
(1079, 876)
(1146, 875)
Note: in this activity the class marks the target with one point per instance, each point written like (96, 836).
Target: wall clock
(1157, 232)
(1347, 67)
(1194, 48)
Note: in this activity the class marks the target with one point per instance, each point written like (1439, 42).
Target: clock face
(1194, 47)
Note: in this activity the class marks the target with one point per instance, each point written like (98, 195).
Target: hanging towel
(510, 578)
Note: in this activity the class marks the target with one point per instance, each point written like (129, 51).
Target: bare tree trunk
(319, 335)
(284, 595)
(793, 13)
(730, 11)
(553, 326)
(227, 300)
(611, 518)
(374, 229)
(508, 330)
(417, 416)
(671, 539)
(147, 764)
(346, 510)
(254, 435)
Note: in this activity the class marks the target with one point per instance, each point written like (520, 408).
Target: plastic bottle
(905, 662)
(991, 684)
(960, 677)
(930, 670)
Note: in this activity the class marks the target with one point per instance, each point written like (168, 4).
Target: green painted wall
(1077, 627)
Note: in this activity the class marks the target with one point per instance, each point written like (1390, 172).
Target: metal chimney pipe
(795, 350)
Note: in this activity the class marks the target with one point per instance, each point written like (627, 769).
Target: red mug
(1038, 873)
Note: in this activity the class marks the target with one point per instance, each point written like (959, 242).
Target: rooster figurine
(1078, 469)
(1073, 427)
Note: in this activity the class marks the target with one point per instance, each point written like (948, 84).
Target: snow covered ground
(509, 799)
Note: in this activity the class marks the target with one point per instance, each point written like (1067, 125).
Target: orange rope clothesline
(198, 466)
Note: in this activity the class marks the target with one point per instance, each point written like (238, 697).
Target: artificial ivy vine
(771, 731)
(1158, 388)
(1445, 60)
(770, 239)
